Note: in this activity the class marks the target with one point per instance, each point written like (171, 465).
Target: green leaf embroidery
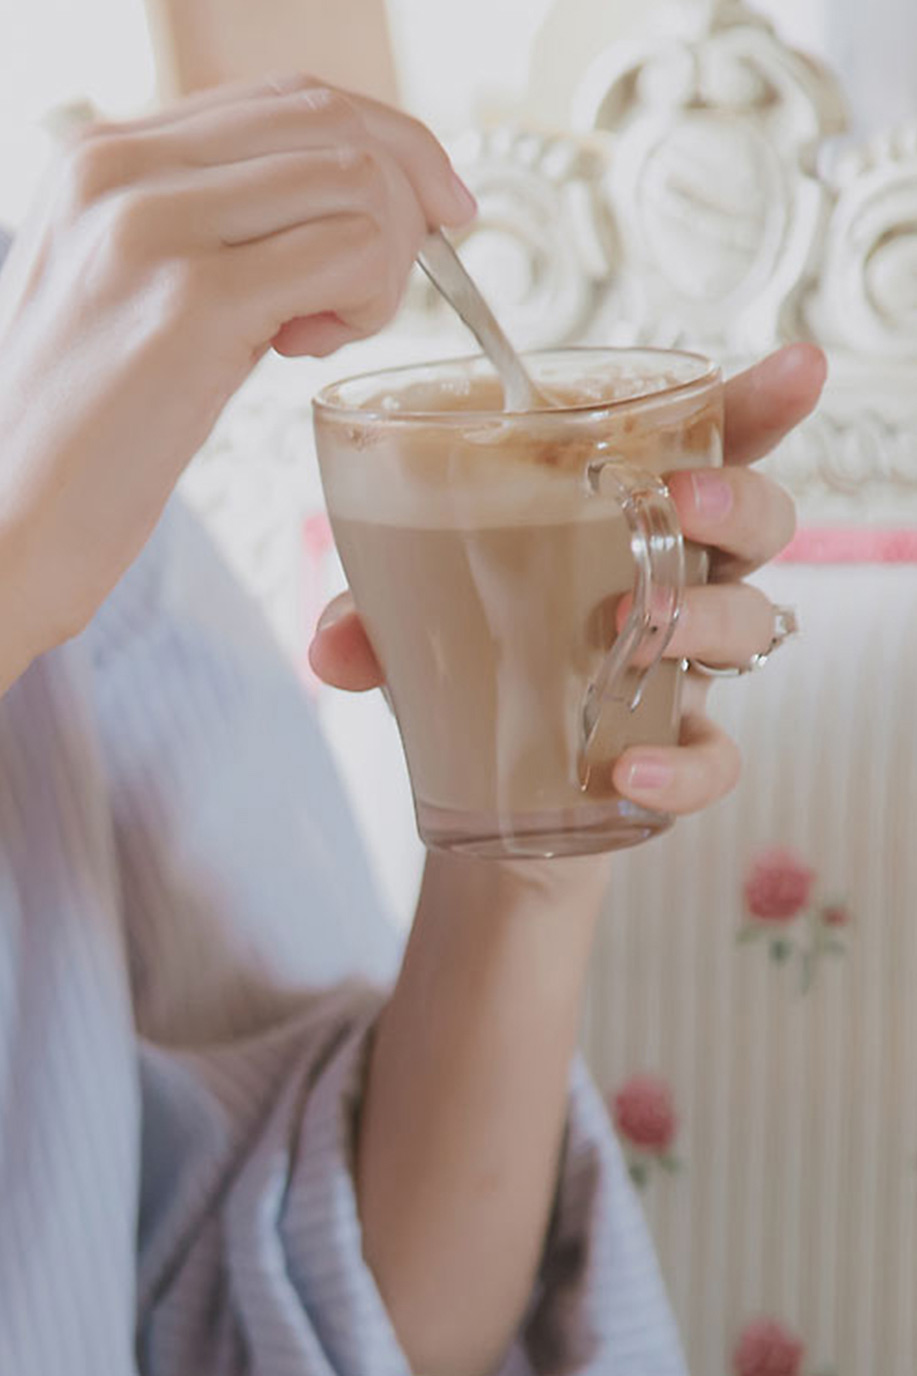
(754, 931)
(639, 1173)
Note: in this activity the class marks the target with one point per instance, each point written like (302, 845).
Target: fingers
(237, 124)
(744, 517)
(704, 767)
(213, 98)
(312, 116)
(344, 265)
(308, 212)
(341, 654)
(764, 403)
(744, 514)
(701, 769)
(724, 625)
(444, 197)
(127, 151)
(192, 138)
(250, 200)
(317, 336)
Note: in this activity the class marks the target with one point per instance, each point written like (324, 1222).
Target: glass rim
(323, 403)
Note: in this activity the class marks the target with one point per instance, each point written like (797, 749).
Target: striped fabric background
(797, 1196)
(183, 909)
(798, 1193)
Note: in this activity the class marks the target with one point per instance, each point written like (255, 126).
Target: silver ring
(786, 623)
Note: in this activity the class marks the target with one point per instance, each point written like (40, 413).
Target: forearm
(17, 647)
(465, 1102)
(13, 663)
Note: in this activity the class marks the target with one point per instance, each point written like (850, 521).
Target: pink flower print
(778, 894)
(778, 886)
(835, 915)
(766, 1348)
(644, 1113)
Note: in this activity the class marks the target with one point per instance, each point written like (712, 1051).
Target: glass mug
(488, 553)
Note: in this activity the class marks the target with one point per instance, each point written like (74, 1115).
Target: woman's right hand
(158, 267)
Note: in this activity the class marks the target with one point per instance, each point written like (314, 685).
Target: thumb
(317, 335)
(340, 653)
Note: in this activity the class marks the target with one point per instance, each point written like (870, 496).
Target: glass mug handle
(658, 550)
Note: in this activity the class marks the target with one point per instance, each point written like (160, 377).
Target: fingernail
(334, 612)
(286, 83)
(649, 776)
(786, 362)
(712, 495)
(465, 201)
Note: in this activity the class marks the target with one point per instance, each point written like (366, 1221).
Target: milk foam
(438, 452)
(470, 489)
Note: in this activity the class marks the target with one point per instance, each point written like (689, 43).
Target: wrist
(560, 894)
(15, 651)
(466, 1099)
(19, 643)
(529, 923)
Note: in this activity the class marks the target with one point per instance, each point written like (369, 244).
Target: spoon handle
(446, 271)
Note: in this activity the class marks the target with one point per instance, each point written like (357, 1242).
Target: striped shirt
(191, 957)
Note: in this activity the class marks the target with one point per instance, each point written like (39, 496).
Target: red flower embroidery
(835, 915)
(766, 1348)
(778, 886)
(778, 893)
(644, 1114)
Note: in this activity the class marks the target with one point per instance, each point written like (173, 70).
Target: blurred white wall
(57, 51)
(457, 61)
(873, 44)
(454, 60)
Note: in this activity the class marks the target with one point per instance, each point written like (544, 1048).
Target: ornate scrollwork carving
(710, 172)
(847, 462)
(690, 202)
(539, 245)
(707, 214)
(865, 298)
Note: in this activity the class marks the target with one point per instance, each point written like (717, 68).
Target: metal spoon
(446, 271)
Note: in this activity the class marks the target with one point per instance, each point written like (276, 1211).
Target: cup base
(612, 825)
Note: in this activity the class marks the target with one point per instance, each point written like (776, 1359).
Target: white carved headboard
(701, 193)
(703, 196)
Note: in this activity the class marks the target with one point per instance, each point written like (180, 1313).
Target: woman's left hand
(746, 519)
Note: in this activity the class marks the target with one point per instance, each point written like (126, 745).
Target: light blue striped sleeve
(251, 1246)
(69, 1095)
(192, 961)
(257, 954)
(243, 880)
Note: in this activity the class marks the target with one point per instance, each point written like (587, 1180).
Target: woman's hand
(471, 1057)
(746, 519)
(163, 260)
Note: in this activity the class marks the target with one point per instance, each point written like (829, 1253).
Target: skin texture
(466, 1094)
(163, 259)
(745, 518)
